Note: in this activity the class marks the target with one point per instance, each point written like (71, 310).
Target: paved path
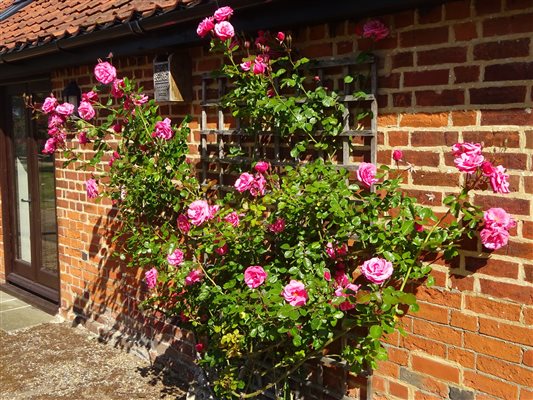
(42, 358)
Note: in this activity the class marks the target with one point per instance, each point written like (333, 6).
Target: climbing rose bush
(273, 274)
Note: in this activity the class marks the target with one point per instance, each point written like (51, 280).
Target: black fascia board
(178, 29)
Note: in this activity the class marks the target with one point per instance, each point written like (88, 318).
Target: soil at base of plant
(55, 361)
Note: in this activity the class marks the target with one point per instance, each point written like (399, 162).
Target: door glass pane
(22, 187)
(47, 195)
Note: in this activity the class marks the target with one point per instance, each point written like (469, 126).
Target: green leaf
(375, 331)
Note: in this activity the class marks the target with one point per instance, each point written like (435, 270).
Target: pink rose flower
(327, 275)
(498, 218)
(222, 250)
(55, 120)
(466, 147)
(82, 137)
(86, 110)
(199, 347)
(375, 30)
(205, 26)
(259, 66)
(223, 14)
(366, 174)
(175, 258)
(105, 73)
(262, 167)
(150, 277)
(49, 105)
(330, 251)
(140, 99)
(278, 226)
(117, 128)
(254, 276)
(232, 218)
(244, 182)
(246, 65)
(280, 36)
(397, 155)
(377, 270)
(295, 294)
(116, 88)
(65, 109)
(183, 223)
(91, 187)
(90, 96)
(224, 30)
(349, 289)
(258, 186)
(468, 162)
(487, 168)
(163, 129)
(419, 228)
(213, 210)
(194, 276)
(199, 212)
(341, 279)
(494, 238)
(499, 180)
(50, 146)
(115, 156)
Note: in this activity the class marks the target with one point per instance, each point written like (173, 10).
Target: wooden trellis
(355, 143)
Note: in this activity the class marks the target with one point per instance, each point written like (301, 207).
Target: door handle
(25, 201)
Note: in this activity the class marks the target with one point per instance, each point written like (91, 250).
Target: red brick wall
(457, 72)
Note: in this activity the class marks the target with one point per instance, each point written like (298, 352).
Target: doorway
(30, 226)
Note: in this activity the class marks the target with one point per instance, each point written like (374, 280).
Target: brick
(429, 14)
(457, 10)
(519, 23)
(492, 347)
(419, 37)
(500, 139)
(507, 371)
(466, 74)
(463, 357)
(388, 368)
(404, 59)
(517, 4)
(495, 387)
(520, 250)
(439, 297)
(498, 309)
(402, 99)
(398, 390)
(318, 50)
(527, 360)
(423, 138)
(436, 368)
(463, 118)
(461, 283)
(389, 81)
(435, 179)
(493, 267)
(421, 158)
(442, 56)
(413, 342)
(512, 206)
(344, 48)
(483, 7)
(465, 31)
(388, 120)
(429, 98)
(509, 72)
(498, 95)
(518, 293)
(423, 382)
(431, 312)
(502, 49)
(404, 19)
(456, 393)
(437, 332)
(528, 273)
(517, 117)
(424, 120)
(426, 78)
(460, 320)
(510, 332)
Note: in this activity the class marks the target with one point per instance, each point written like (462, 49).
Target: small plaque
(161, 81)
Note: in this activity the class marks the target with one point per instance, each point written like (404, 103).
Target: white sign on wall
(161, 80)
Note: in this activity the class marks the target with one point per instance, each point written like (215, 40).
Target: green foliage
(256, 331)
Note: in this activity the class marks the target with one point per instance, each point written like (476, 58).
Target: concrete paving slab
(5, 297)
(20, 318)
(12, 304)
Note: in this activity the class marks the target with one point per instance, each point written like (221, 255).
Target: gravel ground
(54, 361)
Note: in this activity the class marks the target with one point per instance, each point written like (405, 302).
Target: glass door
(31, 183)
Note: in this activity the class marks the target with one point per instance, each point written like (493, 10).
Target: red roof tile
(45, 20)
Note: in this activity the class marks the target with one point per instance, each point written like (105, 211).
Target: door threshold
(36, 300)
